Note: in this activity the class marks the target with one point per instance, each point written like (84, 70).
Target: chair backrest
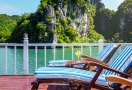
(106, 52)
(105, 55)
(123, 62)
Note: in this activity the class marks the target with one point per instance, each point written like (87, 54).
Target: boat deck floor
(23, 82)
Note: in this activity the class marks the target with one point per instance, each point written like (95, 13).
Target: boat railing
(25, 45)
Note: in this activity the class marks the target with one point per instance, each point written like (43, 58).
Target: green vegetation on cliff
(115, 26)
(45, 27)
(62, 22)
(57, 21)
(7, 25)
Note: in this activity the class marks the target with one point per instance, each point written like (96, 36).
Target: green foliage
(40, 30)
(85, 7)
(103, 21)
(7, 25)
(94, 36)
(23, 26)
(124, 12)
(66, 34)
(74, 14)
(66, 2)
(115, 26)
(91, 14)
(48, 18)
(125, 7)
(43, 3)
(14, 17)
(79, 3)
(4, 35)
(57, 12)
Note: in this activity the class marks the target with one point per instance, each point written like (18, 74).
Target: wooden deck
(23, 82)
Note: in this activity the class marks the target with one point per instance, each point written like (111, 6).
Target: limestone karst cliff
(80, 21)
(59, 21)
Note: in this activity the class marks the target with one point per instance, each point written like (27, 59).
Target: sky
(112, 4)
(19, 7)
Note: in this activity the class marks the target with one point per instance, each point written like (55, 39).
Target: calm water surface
(40, 58)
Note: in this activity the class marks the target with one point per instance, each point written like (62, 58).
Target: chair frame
(114, 78)
(90, 84)
(86, 66)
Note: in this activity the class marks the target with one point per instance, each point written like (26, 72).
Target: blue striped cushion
(122, 63)
(57, 63)
(68, 73)
(105, 53)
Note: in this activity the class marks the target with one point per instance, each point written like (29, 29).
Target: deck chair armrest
(117, 79)
(95, 60)
(108, 68)
(86, 61)
(85, 56)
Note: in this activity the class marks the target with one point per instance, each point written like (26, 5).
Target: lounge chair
(117, 79)
(88, 79)
(104, 56)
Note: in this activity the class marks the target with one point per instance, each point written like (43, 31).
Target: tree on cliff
(57, 22)
(7, 25)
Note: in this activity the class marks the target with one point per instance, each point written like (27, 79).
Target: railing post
(25, 53)
(101, 44)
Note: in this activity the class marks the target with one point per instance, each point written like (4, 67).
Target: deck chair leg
(35, 85)
(70, 86)
(117, 87)
(79, 87)
(94, 79)
(127, 88)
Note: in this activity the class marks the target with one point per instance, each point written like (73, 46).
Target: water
(40, 58)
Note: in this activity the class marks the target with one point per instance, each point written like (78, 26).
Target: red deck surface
(22, 82)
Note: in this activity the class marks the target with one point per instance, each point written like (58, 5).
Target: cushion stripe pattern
(121, 63)
(69, 74)
(106, 52)
(57, 63)
(121, 60)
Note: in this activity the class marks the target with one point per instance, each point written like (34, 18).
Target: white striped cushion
(68, 73)
(106, 52)
(122, 61)
(57, 63)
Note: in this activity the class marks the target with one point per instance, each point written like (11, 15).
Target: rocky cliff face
(97, 3)
(115, 25)
(80, 22)
(58, 21)
(49, 11)
(107, 22)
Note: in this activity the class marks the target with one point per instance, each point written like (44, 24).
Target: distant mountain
(115, 26)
